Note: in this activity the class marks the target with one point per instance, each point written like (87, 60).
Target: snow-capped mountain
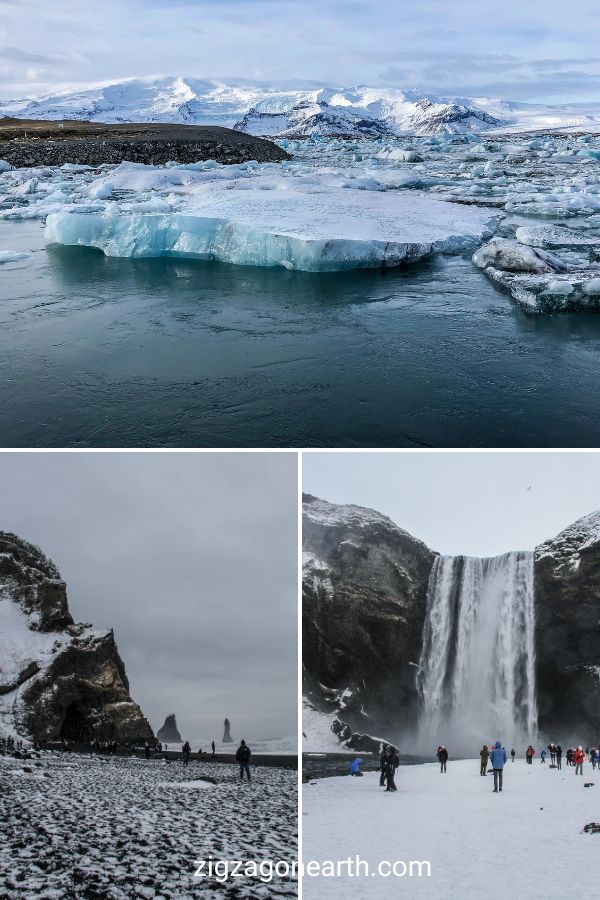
(269, 112)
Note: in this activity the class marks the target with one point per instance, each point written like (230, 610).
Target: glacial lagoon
(102, 350)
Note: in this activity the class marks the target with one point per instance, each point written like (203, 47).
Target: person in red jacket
(579, 758)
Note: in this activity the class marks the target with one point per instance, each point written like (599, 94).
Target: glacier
(304, 223)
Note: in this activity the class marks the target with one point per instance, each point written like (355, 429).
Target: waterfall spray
(477, 670)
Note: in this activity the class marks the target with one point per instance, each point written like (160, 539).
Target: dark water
(107, 352)
(321, 765)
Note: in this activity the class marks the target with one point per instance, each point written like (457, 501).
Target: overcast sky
(539, 49)
(476, 504)
(192, 559)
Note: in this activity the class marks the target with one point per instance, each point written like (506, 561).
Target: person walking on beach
(243, 757)
(543, 756)
(512, 754)
(595, 757)
(147, 750)
(442, 755)
(186, 753)
(484, 753)
(392, 761)
(558, 756)
(498, 759)
(579, 758)
(213, 747)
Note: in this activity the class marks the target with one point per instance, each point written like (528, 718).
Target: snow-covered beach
(527, 841)
(81, 826)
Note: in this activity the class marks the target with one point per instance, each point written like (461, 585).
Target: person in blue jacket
(498, 759)
(355, 767)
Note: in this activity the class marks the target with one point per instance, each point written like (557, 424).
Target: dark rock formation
(567, 604)
(58, 679)
(364, 600)
(29, 142)
(227, 739)
(169, 733)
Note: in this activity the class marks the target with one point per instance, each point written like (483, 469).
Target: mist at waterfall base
(476, 675)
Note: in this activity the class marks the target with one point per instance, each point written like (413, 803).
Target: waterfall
(476, 677)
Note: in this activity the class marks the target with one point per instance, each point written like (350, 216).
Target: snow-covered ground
(91, 826)
(526, 842)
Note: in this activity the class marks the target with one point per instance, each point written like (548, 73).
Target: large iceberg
(310, 223)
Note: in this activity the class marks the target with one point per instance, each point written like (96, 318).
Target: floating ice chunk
(510, 256)
(405, 155)
(592, 287)
(101, 190)
(7, 256)
(552, 236)
(57, 197)
(545, 294)
(26, 187)
(309, 226)
(559, 288)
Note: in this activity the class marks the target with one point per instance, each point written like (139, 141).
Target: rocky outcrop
(26, 142)
(169, 733)
(227, 739)
(567, 608)
(364, 600)
(58, 679)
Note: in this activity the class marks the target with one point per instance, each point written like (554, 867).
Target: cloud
(442, 47)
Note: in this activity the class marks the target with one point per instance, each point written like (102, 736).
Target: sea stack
(227, 739)
(58, 679)
(169, 733)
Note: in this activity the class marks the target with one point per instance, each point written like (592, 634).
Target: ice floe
(308, 224)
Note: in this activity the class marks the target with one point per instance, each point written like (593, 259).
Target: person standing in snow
(498, 759)
(512, 754)
(186, 753)
(392, 761)
(484, 753)
(543, 756)
(242, 755)
(355, 768)
(382, 759)
(442, 755)
(530, 753)
(579, 758)
(595, 754)
(558, 757)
